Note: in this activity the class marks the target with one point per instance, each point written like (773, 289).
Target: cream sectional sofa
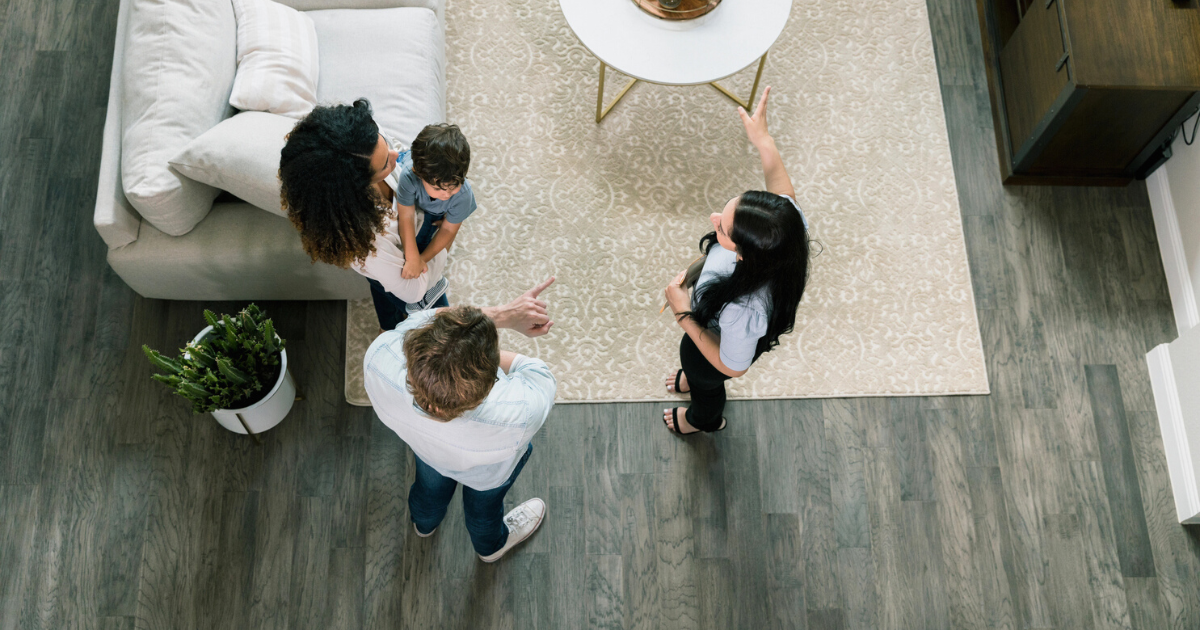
(242, 252)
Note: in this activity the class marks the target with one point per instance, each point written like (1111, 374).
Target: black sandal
(678, 375)
(675, 424)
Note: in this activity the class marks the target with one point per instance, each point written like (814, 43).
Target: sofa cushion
(313, 5)
(180, 60)
(277, 61)
(237, 253)
(393, 57)
(241, 156)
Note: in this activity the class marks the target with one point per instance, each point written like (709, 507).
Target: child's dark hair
(441, 155)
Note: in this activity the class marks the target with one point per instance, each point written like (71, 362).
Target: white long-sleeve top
(385, 264)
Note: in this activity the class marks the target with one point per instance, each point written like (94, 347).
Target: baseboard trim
(1174, 435)
(1170, 243)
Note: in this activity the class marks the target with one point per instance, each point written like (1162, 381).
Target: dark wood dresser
(1088, 91)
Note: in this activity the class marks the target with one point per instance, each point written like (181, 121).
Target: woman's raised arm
(776, 174)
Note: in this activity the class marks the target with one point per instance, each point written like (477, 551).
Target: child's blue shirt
(411, 192)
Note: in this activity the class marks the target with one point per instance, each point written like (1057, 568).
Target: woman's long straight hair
(773, 245)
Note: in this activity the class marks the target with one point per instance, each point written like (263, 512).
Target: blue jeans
(390, 309)
(483, 510)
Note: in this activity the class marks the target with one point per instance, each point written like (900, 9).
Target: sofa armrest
(115, 219)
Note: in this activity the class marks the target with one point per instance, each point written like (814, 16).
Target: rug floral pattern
(616, 209)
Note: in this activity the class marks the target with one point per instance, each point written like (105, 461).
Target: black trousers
(390, 309)
(707, 385)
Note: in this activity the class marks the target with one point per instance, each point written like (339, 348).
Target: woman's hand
(677, 296)
(756, 125)
(774, 172)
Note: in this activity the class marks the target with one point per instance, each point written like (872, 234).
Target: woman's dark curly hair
(325, 172)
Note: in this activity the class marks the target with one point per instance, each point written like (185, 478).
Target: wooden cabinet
(1088, 91)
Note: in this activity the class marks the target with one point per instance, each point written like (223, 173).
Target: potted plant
(235, 369)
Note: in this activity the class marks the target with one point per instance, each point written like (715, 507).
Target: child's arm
(414, 264)
(389, 275)
(776, 174)
(442, 240)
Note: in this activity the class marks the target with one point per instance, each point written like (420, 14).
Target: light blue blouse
(743, 322)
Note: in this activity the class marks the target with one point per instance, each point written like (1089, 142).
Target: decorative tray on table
(677, 9)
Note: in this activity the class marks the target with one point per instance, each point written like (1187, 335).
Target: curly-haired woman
(748, 292)
(338, 188)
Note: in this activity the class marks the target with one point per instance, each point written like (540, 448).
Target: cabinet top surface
(1132, 43)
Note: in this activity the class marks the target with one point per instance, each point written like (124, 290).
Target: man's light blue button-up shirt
(479, 449)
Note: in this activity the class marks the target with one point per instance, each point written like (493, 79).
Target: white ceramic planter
(267, 412)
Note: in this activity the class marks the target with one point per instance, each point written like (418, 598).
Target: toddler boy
(432, 176)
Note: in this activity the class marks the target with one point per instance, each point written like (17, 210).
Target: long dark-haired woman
(748, 292)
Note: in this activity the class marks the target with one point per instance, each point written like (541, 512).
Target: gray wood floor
(1044, 505)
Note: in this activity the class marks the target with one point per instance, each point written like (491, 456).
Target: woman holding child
(747, 293)
(353, 195)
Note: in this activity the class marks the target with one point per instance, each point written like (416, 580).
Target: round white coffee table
(689, 52)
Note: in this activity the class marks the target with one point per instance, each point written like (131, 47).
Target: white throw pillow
(179, 61)
(277, 60)
(393, 57)
(241, 156)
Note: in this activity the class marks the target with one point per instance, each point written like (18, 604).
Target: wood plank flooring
(1044, 505)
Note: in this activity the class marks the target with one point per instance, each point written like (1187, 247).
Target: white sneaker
(522, 521)
(423, 535)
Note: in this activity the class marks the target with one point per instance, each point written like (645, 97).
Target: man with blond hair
(468, 410)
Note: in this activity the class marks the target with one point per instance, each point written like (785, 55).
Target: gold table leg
(601, 109)
(753, 91)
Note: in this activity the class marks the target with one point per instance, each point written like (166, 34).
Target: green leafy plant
(227, 369)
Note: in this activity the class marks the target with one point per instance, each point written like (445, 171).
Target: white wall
(1174, 191)
(1183, 178)
(1174, 372)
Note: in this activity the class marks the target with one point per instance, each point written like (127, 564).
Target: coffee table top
(688, 52)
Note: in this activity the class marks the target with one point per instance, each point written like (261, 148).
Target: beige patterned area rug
(616, 209)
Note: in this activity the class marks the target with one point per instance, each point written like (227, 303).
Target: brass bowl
(684, 9)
